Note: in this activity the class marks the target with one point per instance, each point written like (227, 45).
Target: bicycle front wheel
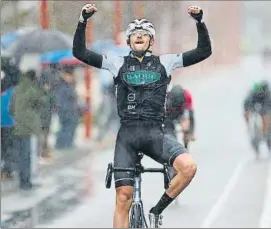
(256, 134)
(136, 218)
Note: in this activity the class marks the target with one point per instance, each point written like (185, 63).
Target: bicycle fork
(137, 205)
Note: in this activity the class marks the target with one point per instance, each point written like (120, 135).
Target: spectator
(67, 109)
(26, 103)
(9, 78)
(48, 81)
(9, 72)
(7, 123)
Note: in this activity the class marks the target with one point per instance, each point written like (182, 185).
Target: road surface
(230, 188)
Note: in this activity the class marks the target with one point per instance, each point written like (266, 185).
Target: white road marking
(265, 220)
(217, 207)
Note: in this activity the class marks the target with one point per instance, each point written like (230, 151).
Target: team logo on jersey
(132, 68)
(131, 97)
(141, 77)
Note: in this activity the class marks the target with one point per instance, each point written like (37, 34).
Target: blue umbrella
(54, 56)
(101, 46)
(66, 56)
(39, 41)
(59, 57)
(8, 38)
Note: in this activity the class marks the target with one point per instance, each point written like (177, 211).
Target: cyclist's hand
(87, 11)
(195, 13)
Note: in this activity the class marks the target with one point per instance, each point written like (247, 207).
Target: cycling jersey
(188, 100)
(182, 109)
(142, 86)
(253, 98)
(178, 104)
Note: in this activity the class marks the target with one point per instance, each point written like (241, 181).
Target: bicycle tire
(257, 133)
(136, 219)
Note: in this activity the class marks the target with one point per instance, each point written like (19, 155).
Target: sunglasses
(140, 33)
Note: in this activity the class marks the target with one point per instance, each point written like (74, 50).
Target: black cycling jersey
(264, 99)
(142, 86)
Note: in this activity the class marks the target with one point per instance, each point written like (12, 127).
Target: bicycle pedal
(160, 220)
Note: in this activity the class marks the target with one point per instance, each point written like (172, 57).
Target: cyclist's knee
(124, 197)
(185, 164)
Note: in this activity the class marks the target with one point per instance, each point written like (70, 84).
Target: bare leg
(123, 204)
(186, 170)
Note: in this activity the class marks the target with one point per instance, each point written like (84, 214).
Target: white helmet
(140, 24)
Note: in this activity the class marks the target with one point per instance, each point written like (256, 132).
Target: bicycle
(256, 128)
(182, 136)
(137, 217)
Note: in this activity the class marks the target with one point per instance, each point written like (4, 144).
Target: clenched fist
(87, 11)
(196, 13)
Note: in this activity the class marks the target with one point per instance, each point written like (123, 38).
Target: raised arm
(79, 50)
(203, 49)
(194, 56)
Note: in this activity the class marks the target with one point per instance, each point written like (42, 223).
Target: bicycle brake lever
(166, 177)
(108, 179)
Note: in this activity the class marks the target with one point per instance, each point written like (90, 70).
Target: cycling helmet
(139, 25)
(177, 95)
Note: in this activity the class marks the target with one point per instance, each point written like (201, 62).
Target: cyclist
(180, 111)
(259, 94)
(141, 81)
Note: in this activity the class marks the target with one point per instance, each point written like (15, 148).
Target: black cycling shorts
(170, 128)
(148, 138)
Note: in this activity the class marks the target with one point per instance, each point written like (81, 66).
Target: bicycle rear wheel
(256, 134)
(136, 217)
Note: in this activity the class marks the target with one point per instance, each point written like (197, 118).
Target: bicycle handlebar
(112, 169)
(143, 170)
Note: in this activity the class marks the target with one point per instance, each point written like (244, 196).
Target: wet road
(230, 188)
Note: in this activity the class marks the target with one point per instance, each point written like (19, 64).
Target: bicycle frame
(256, 121)
(137, 198)
(137, 220)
